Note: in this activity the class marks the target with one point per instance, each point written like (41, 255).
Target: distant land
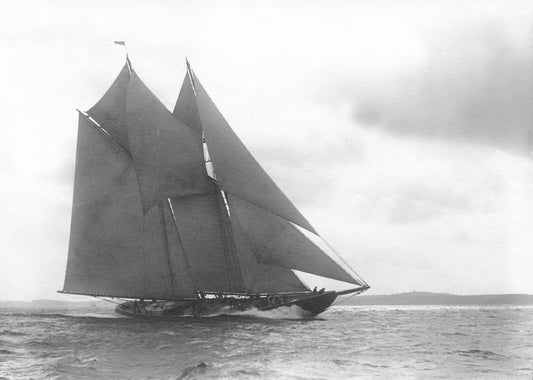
(411, 298)
(55, 304)
(426, 298)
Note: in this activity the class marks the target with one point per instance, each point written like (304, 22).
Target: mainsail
(114, 249)
(110, 111)
(149, 222)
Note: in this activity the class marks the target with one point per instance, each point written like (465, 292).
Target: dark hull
(312, 303)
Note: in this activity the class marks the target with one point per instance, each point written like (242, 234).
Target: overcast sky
(401, 129)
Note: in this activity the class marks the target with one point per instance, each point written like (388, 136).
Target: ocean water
(342, 343)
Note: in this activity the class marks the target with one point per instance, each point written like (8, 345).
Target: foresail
(167, 156)
(236, 170)
(199, 227)
(275, 241)
(110, 111)
(114, 249)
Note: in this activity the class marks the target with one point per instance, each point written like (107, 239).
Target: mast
(167, 251)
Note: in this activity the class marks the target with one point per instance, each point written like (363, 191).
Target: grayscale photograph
(237, 189)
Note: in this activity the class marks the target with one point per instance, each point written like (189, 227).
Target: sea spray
(283, 312)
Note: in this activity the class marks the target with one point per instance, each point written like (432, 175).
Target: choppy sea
(345, 342)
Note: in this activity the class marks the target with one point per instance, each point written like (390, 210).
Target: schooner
(171, 211)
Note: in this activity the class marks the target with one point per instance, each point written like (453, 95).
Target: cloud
(418, 202)
(475, 86)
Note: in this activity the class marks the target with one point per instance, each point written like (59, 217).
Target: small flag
(123, 43)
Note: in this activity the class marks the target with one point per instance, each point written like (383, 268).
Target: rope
(174, 88)
(105, 299)
(363, 282)
(345, 299)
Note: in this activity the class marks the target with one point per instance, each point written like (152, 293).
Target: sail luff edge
(169, 201)
(102, 130)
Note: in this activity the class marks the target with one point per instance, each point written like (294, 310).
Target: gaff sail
(114, 249)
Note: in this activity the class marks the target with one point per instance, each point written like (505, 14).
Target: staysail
(275, 241)
(273, 279)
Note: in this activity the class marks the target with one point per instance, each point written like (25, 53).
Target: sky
(402, 130)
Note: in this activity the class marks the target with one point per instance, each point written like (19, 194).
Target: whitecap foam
(282, 312)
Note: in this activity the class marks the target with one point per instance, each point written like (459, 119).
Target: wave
(11, 333)
(482, 353)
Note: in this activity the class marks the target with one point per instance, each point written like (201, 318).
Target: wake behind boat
(171, 207)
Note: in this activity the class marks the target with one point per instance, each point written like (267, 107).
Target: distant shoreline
(410, 298)
(427, 298)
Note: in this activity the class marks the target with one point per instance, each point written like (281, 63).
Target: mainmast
(233, 269)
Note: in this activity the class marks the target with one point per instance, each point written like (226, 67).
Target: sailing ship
(173, 215)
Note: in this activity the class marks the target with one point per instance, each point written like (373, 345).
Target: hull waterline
(313, 304)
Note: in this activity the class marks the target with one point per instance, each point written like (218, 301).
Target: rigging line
(173, 89)
(181, 242)
(102, 131)
(342, 260)
(230, 249)
(346, 299)
(165, 243)
(105, 299)
(224, 241)
(191, 76)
